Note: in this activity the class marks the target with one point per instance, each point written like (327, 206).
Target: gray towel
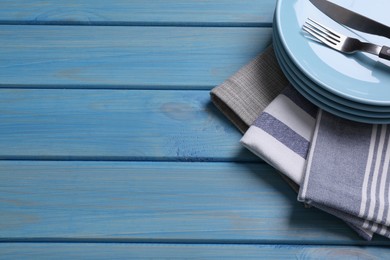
(243, 96)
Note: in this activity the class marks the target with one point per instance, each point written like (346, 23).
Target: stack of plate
(355, 87)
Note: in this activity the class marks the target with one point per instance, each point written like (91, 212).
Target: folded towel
(243, 96)
(247, 93)
(282, 136)
(347, 170)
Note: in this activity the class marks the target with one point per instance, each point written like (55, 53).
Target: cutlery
(351, 19)
(341, 42)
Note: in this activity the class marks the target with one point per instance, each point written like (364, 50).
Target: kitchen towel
(282, 135)
(345, 171)
(244, 95)
(242, 98)
(348, 170)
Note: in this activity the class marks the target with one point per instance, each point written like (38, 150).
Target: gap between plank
(190, 242)
(140, 23)
(124, 159)
(108, 87)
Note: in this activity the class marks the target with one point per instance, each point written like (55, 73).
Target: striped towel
(348, 170)
(282, 135)
(249, 92)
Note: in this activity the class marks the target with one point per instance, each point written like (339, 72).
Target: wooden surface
(125, 56)
(139, 12)
(111, 148)
(186, 251)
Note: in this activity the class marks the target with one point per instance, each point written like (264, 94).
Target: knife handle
(385, 53)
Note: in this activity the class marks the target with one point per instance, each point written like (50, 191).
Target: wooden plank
(125, 57)
(115, 125)
(148, 201)
(185, 251)
(187, 12)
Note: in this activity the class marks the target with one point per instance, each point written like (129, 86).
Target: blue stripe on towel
(282, 133)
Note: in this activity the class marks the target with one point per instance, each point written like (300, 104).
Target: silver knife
(351, 19)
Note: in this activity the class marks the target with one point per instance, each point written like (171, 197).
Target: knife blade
(351, 19)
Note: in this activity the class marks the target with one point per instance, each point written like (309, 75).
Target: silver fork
(341, 42)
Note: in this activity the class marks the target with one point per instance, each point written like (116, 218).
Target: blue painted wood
(183, 251)
(115, 125)
(157, 202)
(184, 12)
(183, 48)
(125, 57)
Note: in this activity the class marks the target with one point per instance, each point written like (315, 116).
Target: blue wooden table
(111, 148)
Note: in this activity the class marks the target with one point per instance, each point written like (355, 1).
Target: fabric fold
(342, 166)
(243, 96)
(348, 170)
(282, 135)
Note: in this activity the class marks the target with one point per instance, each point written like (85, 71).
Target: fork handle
(385, 53)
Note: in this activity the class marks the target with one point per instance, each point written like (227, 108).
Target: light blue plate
(293, 73)
(321, 94)
(326, 104)
(304, 84)
(329, 95)
(360, 77)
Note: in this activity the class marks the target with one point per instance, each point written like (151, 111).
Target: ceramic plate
(323, 92)
(324, 103)
(294, 73)
(327, 97)
(360, 77)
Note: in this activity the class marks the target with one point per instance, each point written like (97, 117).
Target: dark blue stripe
(283, 133)
(300, 101)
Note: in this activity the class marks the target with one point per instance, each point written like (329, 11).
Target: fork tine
(310, 34)
(332, 34)
(318, 35)
(323, 28)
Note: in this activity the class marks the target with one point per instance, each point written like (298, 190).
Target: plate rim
(320, 82)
